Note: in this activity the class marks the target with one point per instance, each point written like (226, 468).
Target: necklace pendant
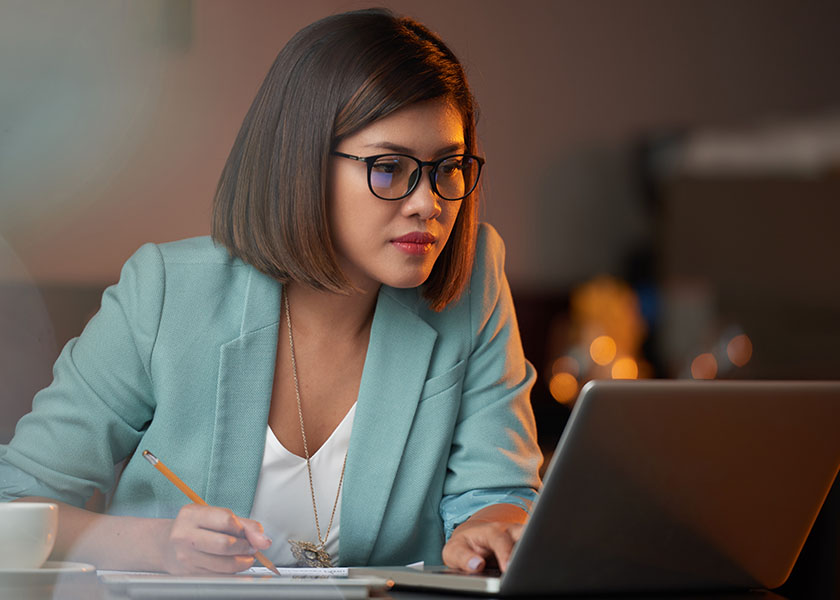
(308, 554)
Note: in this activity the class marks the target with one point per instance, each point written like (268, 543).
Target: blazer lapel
(243, 397)
(397, 360)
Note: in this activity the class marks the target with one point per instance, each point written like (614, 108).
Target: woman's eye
(452, 167)
(386, 166)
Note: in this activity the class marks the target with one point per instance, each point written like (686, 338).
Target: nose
(422, 202)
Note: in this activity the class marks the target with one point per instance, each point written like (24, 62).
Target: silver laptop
(671, 486)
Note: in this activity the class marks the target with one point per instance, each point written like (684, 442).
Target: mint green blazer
(180, 360)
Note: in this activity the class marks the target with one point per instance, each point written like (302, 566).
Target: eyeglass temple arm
(351, 156)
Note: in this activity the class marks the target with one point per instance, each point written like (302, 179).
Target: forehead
(425, 127)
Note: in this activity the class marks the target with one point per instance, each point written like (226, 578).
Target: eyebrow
(405, 150)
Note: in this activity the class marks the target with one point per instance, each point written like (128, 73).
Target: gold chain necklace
(309, 554)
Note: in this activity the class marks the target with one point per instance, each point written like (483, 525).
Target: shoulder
(196, 251)
(489, 243)
(185, 273)
(489, 266)
(191, 258)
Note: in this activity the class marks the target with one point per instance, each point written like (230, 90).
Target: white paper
(299, 572)
(308, 572)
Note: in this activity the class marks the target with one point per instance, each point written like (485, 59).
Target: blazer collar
(397, 360)
(243, 398)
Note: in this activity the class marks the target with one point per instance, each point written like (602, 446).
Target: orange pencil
(156, 462)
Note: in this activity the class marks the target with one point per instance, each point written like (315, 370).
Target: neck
(341, 316)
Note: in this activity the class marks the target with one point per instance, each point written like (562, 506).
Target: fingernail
(268, 539)
(475, 563)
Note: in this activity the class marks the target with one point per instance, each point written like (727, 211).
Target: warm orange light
(739, 350)
(704, 367)
(602, 350)
(565, 364)
(563, 387)
(625, 368)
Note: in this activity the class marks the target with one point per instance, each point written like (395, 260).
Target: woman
(338, 368)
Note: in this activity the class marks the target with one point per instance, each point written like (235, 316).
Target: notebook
(659, 486)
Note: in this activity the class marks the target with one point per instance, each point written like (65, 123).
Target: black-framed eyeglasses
(394, 176)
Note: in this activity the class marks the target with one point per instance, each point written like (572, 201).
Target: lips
(416, 237)
(416, 242)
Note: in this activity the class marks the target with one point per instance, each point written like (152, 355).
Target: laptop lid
(681, 485)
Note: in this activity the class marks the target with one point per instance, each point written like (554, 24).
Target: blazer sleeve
(494, 448)
(101, 399)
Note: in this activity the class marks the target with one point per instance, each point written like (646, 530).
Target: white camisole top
(283, 501)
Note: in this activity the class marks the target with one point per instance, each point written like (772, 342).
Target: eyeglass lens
(393, 176)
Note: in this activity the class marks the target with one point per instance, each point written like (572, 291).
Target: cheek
(342, 190)
(343, 209)
(357, 221)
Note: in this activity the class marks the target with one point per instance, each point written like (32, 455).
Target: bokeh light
(625, 368)
(739, 350)
(704, 367)
(602, 350)
(565, 364)
(563, 387)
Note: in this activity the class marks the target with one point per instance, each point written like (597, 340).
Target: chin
(407, 281)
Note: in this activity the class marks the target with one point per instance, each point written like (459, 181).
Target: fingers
(212, 563)
(255, 535)
(212, 539)
(473, 545)
(212, 518)
(458, 553)
(214, 542)
(516, 531)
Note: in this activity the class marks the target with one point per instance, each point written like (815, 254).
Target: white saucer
(52, 568)
(74, 580)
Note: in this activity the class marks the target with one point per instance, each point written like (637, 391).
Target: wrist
(502, 512)
(146, 542)
(115, 542)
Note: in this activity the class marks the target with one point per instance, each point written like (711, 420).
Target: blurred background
(665, 173)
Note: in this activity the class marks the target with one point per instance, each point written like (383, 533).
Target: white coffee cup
(27, 533)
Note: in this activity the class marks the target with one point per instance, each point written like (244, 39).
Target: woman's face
(393, 242)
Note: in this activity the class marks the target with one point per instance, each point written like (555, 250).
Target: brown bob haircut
(333, 78)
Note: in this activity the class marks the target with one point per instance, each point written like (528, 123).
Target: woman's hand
(485, 538)
(200, 539)
(204, 539)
